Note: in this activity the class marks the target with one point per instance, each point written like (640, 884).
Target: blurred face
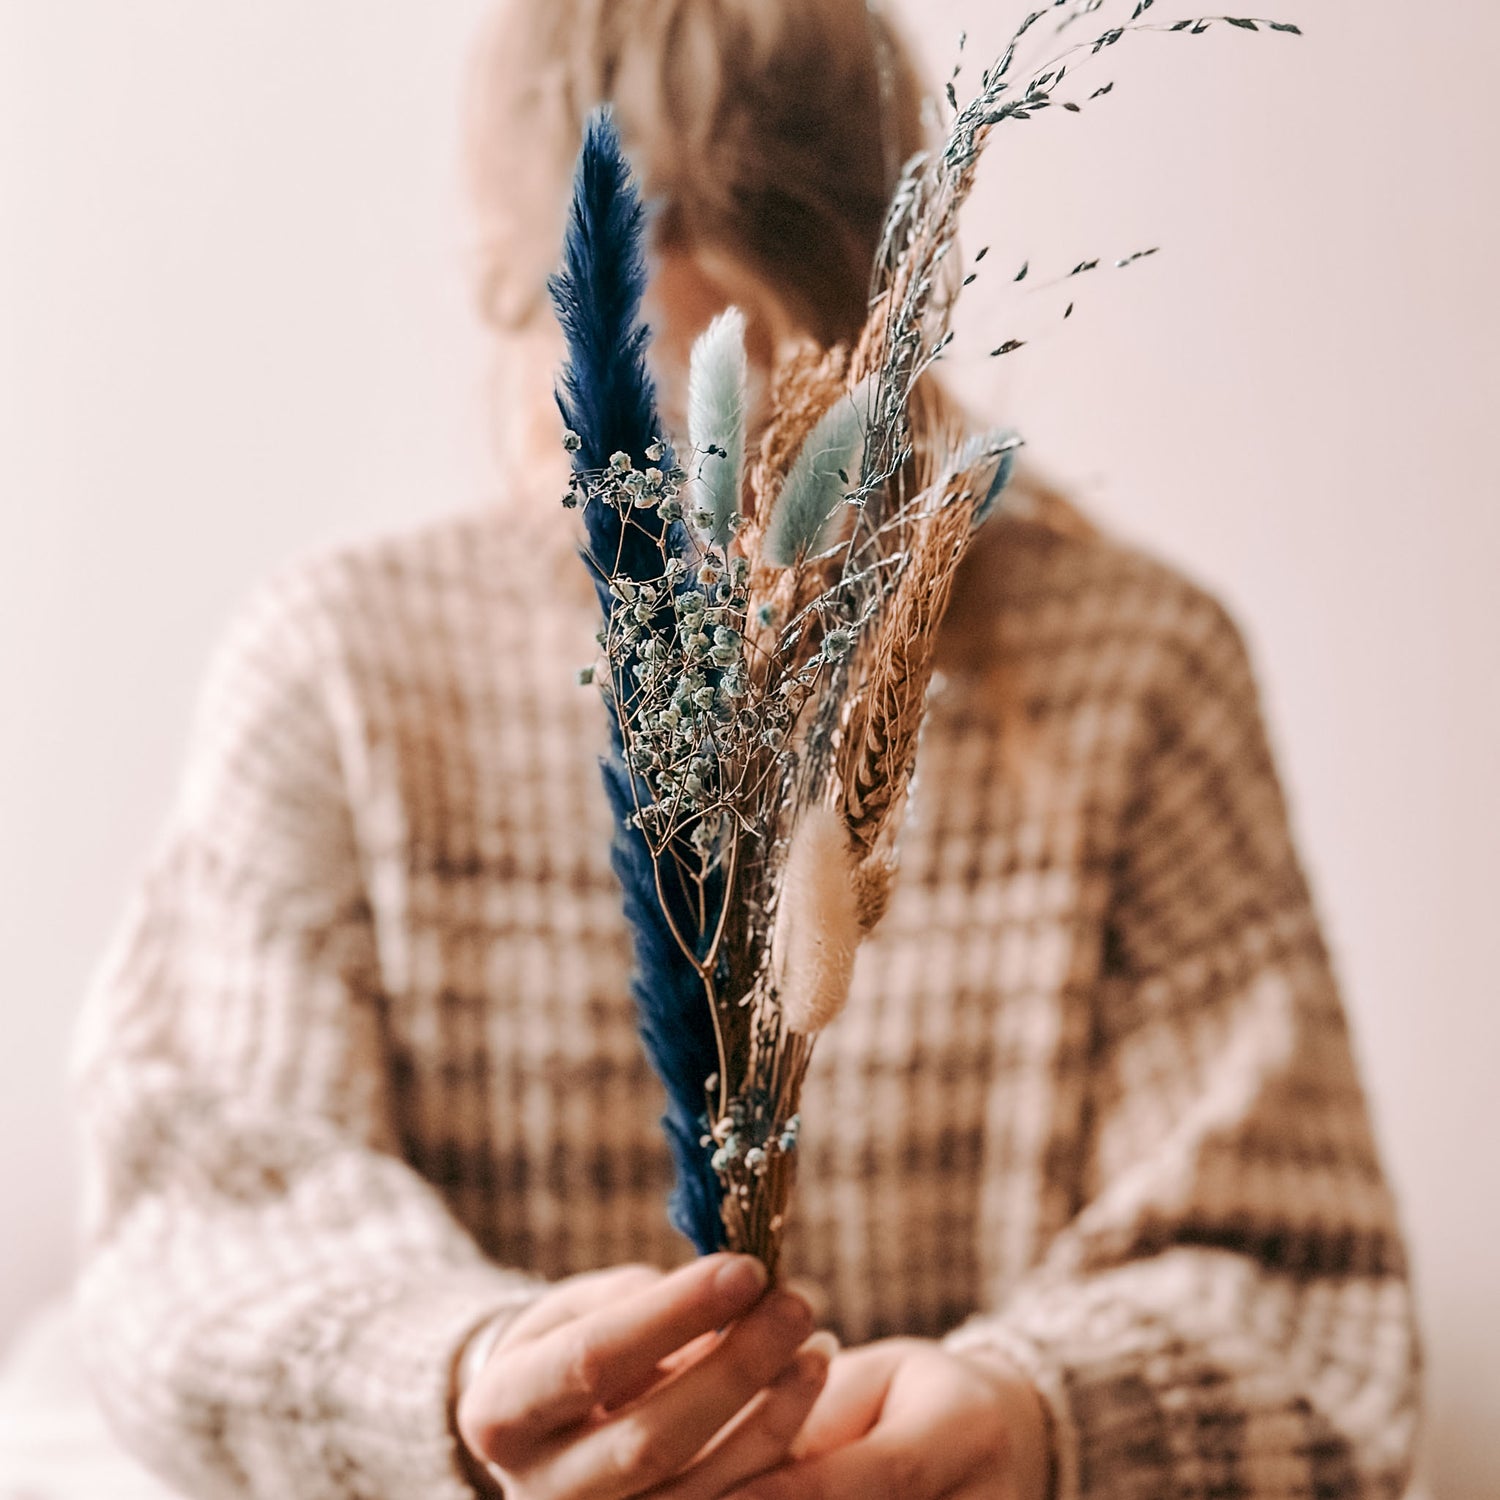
(687, 292)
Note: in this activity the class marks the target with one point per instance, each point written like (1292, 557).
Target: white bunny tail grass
(827, 469)
(818, 926)
(717, 401)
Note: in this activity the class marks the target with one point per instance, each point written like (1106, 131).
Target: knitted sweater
(359, 1070)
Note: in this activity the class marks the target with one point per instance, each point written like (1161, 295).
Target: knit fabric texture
(359, 1071)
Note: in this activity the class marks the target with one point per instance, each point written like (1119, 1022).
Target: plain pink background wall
(234, 323)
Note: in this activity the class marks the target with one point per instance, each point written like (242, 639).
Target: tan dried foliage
(804, 386)
(873, 882)
(880, 739)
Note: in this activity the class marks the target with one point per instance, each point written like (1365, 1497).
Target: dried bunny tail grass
(989, 460)
(880, 741)
(806, 386)
(803, 387)
(818, 925)
(805, 518)
(717, 404)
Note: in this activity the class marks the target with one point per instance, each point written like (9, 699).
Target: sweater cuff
(390, 1389)
(994, 1336)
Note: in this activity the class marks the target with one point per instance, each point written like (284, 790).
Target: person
(376, 1190)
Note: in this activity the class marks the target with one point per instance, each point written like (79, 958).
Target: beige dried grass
(804, 386)
(879, 747)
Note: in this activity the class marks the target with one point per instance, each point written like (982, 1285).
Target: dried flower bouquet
(768, 633)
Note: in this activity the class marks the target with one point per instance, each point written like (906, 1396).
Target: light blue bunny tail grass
(826, 469)
(988, 462)
(717, 401)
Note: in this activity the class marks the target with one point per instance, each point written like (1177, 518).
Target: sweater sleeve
(1228, 1312)
(271, 1301)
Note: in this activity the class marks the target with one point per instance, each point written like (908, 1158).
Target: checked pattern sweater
(358, 1070)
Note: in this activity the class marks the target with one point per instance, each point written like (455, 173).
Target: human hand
(905, 1419)
(627, 1383)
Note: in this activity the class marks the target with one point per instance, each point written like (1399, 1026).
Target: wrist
(472, 1357)
(1028, 1423)
(476, 1351)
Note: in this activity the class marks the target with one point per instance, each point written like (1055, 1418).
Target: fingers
(762, 1437)
(814, 1294)
(871, 1469)
(577, 1296)
(625, 1344)
(915, 1449)
(659, 1435)
(930, 1441)
(689, 1354)
(532, 1390)
(850, 1404)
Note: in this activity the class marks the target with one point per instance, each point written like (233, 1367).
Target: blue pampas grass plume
(607, 397)
(717, 399)
(673, 1017)
(825, 470)
(605, 392)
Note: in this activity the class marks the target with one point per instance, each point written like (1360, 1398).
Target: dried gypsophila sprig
(769, 682)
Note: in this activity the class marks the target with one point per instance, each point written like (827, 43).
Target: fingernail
(804, 1372)
(792, 1312)
(811, 1293)
(741, 1278)
(823, 1344)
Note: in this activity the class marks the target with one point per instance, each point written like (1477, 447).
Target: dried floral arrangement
(768, 631)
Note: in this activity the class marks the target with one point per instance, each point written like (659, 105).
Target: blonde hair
(769, 132)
